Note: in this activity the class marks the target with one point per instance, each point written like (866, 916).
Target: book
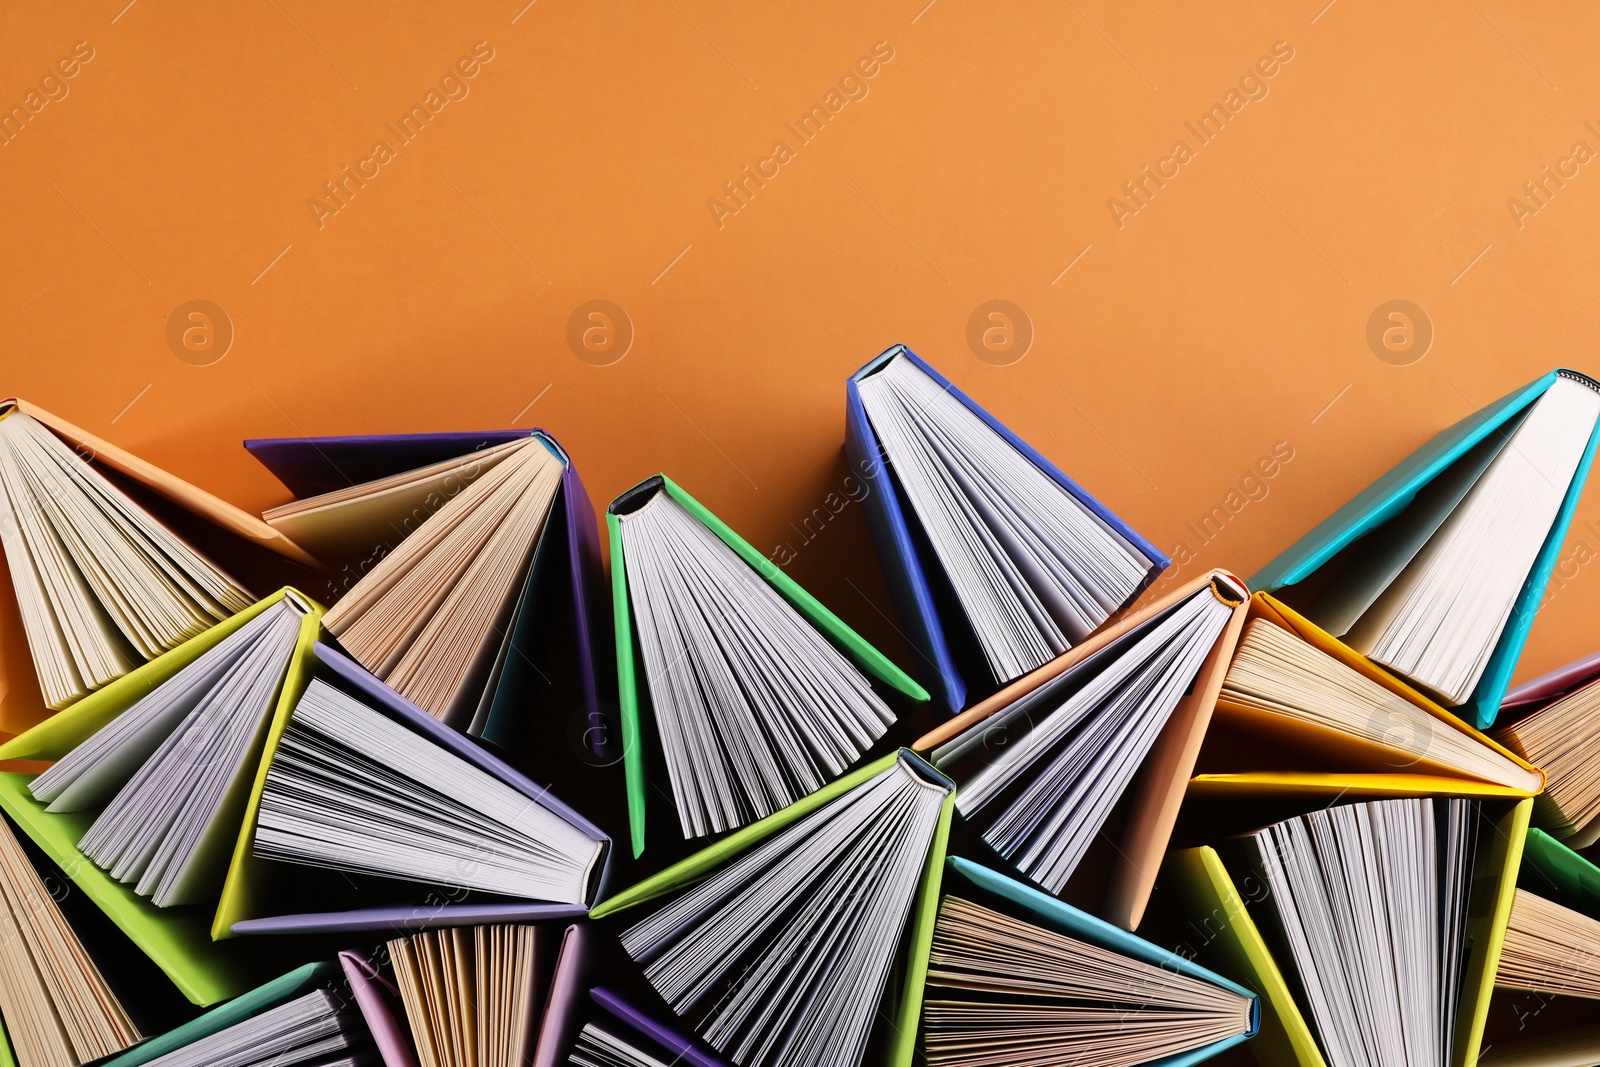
(56, 1008)
(1305, 715)
(430, 617)
(1550, 948)
(1015, 976)
(1393, 908)
(1561, 736)
(1436, 569)
(1288, 684)
(301, 1018)
(373, 890)
(778, 943)
(177, 938)
(99, 583)
(360, 497)
(1040, 774)
(473, 995)
(1552, 958)
(739, 686)
(350, 789)
(169, 775)
(997, 561)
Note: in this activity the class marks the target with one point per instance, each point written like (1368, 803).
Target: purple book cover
(1557, 683)
(684, 1049)
(424, 916)
(373, 995)
(310, 466)
(560, 1025)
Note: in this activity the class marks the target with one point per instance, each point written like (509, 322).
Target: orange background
(1229, 314)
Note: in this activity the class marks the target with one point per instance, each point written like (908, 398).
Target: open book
(359, 497)
(997, 561)
(1041, 775)
(56, 1008)
(101, 584)
(1019, 977)
(434, 617)
(1436, 570)
(782, 952)
(1365, 907)
(472, 995)
(1550, 948)
(757, 694)
(1302, 714)
(1285, 685)
(169, 775)
(351, 789)
(1562, 738)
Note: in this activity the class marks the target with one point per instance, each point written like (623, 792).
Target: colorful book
(302, 1018)
(1043, 763)
(112, 562)
(154, 699)
(996, 560)
(167, 774)
(410, 823)
(462, 555)
(1550, 959)
(1250, 915)
(1553, 939)
(474, 996)
(1018, 976)
(1560, 734)
(1300, 713)
(740, 692)
(1437, 568)
(778, 943)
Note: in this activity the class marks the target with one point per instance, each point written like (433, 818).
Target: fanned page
(597, 1046)
(1276, 673)
(1467, 548)
(472, 994)
(56, 1007)
(351, 789)
(1033, 569)
(171, 772)
(1563, 739)
(755, 709)
(363, 518)
(428, 618)
(782, 956)
(1366, 907)
(315, 1030)
(102, 586)
(1041, 776)
(1550, 949)
(1002, 991)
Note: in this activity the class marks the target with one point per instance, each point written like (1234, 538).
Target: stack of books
(342, 785)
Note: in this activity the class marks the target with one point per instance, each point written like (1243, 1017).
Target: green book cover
(1555, 872)
(874, 664)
